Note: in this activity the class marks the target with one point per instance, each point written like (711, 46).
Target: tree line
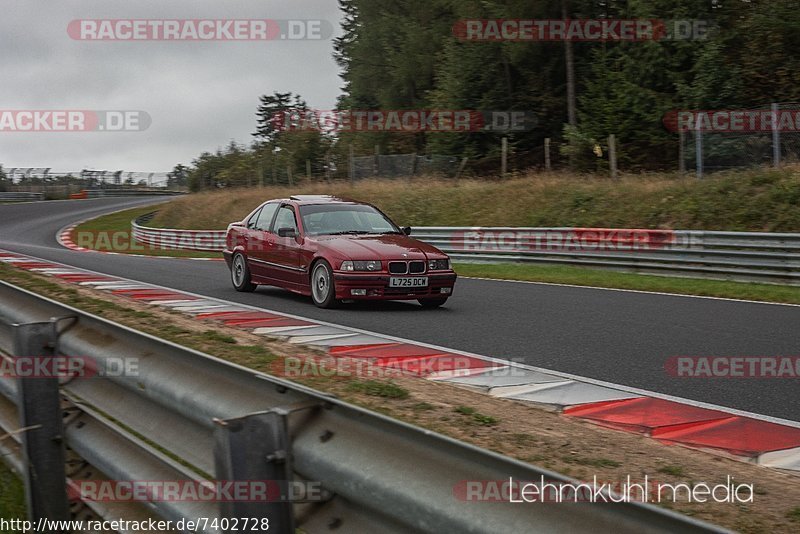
(406, 56)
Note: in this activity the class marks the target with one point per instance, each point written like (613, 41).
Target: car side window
(265, 217)
(251, 222)
(285, 219)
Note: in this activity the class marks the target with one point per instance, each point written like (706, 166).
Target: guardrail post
(39, 405)
(257, 448)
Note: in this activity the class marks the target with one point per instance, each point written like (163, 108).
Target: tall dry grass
(758, 200)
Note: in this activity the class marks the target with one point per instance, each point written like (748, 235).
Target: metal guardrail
(6, 196)
(188, 416)
(741, 256)
(201, 240)
(114, 192)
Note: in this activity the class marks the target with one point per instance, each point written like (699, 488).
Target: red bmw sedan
(333, 249)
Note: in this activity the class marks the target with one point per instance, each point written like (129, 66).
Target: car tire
(432, 303)
(323, 290)
(240, 275)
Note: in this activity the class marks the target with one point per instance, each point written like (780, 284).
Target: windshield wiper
(349, 232)
(393, 232)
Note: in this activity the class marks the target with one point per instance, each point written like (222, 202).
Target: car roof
(321, 199)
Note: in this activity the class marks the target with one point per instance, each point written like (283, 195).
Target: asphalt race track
(616, 336)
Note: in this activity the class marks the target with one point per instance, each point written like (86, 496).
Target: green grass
(12, 495)
(213, 335)
(97, 234)
(672, 470)
(582, 276)
(388, 390)
(475, 416)
(794, 514)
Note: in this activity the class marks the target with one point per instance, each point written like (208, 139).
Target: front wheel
(240, 275)
(432, 303)
(323, 292)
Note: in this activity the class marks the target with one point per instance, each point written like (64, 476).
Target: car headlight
(369, 265)
(439, 265)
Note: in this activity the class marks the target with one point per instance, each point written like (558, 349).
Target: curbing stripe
(561, 394)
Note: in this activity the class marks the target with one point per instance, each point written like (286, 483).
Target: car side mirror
(287, 232)
(407, 230)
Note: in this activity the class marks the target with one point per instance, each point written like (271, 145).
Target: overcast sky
(200, 95)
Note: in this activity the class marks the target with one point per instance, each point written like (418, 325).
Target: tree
(178, 177)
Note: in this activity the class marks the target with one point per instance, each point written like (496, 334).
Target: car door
(284, 257)
(260, 241)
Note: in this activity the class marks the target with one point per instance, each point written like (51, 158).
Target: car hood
(385, 247)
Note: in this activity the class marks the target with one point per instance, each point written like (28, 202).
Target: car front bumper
(377, 286)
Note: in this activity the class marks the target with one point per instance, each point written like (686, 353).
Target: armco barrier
(113, 192)
(201, 240)
(189, 417)
(11, 196)
(742, 256)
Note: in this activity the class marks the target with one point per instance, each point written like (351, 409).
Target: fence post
(39, 404)
(698, 151)
(547, 164)
(352, 162)
(612, 155)
(328, 166)
(681, 151)
(461, 167)
(504, 158)
(376, 167)
(289, 174)
(776, 137)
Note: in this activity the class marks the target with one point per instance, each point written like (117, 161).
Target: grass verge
(582, 276)
(112, 233)
(745, 200)
(12, 495)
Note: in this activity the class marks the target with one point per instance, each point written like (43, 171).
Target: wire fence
(771, 138)
(403, 165)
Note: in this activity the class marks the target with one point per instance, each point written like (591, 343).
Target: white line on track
(631, 291)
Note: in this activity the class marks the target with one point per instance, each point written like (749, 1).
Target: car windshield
(345, 219)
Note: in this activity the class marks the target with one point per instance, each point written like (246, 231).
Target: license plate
(409, 282)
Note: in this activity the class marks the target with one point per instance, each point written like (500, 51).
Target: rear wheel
(432, 303)
(240, 275)
(323, 291)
